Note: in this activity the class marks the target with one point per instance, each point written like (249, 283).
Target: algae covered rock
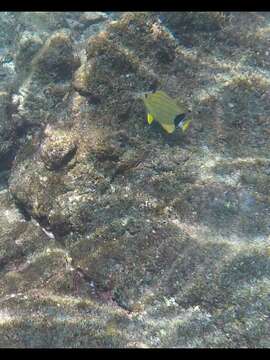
(92, 17)
(43, 89)
(116, 234)
(19, 238)
(8, 24)
(43, 21)
(5, 130)
(28, 46)
(56, 59)
(58, 149)
(195, 21)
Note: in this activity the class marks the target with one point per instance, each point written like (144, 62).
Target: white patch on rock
(48, 233)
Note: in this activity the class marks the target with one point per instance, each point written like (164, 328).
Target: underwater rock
(7, 131)
(43, 22)
(34, 187)
(92, 17)
(81, 79)
(115, 71)
(8, 25)
(173, 251)
(8, 76)
(53, 65)
(28, 45)
(58, 149)
(195, 21)
(19, 237)
(56, 59)
(4, 175)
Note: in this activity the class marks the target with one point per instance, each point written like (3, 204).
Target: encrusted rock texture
(112, 232)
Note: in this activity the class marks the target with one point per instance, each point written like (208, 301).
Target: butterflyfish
(165, 110)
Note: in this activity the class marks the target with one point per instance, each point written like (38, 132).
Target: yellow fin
(168, 127)
(186, 125)
(150, 118)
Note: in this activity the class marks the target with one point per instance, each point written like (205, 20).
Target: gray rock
(92, 17)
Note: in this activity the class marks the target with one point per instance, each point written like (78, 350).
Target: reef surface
(113, 233)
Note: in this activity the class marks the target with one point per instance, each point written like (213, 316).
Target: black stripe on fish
(179, 119)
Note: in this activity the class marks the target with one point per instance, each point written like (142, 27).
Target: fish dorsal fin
(150, 118)
(168, 127)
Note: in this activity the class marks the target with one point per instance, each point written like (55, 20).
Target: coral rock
(58, 149)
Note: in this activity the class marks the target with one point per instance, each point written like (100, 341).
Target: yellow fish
(162, 108)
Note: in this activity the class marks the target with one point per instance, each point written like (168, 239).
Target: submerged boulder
(42, 91)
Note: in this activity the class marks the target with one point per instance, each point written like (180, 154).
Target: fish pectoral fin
(150, 118)
(168, 127)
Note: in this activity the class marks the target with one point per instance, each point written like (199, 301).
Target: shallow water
(114, 233)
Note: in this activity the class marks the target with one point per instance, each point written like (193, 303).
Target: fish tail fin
(150, 118)
(186, 125)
